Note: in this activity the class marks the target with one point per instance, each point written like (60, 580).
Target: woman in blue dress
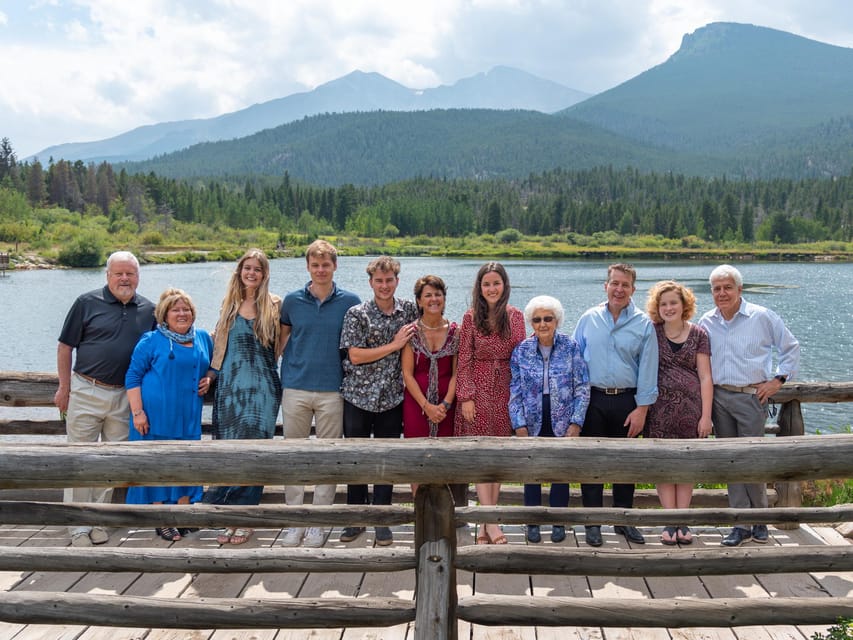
(166, 383)
(248, 387)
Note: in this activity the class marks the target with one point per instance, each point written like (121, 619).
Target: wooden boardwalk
(401, 585)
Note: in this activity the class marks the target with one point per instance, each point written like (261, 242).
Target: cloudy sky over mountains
(78, 70)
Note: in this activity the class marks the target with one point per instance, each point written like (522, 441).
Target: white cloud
(94, 68)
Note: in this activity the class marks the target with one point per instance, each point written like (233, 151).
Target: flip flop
(501, 539)
(684, 536)
(669, 536)
(225, 538)
(483, 539)
(241, 536)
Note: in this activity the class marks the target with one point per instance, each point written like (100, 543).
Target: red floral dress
(483, 376)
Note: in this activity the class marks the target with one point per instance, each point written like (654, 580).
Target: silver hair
(544, 302)
(725, 271)
(122, 256)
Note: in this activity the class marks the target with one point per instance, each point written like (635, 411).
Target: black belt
(615, 391)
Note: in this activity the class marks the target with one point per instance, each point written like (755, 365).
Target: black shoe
(759, 533)
(736, 537)
(593, 536)
(558, 533)
(185, 531)
(384, 537)
(632, 534)
(350, 533)
(533, 534)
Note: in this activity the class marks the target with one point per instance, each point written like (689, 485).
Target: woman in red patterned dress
(491, 329)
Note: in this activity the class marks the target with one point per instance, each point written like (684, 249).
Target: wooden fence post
(790, 494)
(435, 551)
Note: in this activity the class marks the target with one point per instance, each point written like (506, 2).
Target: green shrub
(841, 630)
(84, 251)
(508, 236)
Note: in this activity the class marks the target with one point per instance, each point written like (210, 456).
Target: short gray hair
(122, 256)
(548, 303)
(725, 271)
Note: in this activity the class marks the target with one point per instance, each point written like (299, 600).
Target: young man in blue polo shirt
(311, 373)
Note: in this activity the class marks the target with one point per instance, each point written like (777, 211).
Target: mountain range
(500, 88)
(735, 99)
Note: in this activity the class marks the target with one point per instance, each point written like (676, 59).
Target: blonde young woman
(248, 389)
(685, 389)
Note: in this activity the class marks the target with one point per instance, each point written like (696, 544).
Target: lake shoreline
(28, 261)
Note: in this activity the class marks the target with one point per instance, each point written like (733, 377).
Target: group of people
(389, 367)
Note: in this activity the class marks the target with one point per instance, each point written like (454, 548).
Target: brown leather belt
(98, 383)
(749, 389)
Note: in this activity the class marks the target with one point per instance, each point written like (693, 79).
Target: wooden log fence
(435, 559)
(788, 460)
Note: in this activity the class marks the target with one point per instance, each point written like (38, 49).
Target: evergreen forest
(73, 212)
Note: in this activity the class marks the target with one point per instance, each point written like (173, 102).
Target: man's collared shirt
(311, 359)
(374, 386)
(742, 348)
(621, 354)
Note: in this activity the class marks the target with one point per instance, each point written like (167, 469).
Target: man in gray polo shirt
(103, 326)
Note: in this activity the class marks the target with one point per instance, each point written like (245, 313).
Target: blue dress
(246, 401)
(168, 374)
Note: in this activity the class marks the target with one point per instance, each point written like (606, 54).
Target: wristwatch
(446, 404)
(782, 379)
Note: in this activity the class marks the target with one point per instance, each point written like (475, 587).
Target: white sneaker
(99, 535)
(315, 537)
(293, 537)
(81, 539)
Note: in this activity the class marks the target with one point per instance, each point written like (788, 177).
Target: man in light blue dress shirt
(619, 344)
(744, 338)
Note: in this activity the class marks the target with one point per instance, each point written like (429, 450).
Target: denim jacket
(568, 385)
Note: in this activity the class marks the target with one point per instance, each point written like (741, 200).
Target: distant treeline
(628, 201)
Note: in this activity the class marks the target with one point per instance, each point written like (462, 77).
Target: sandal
(684, 536)
(500, 539)
(169, 534)
(669, 536)
(483, 539)
(241, 536)
(225, 538)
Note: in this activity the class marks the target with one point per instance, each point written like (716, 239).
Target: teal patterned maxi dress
(246, 401)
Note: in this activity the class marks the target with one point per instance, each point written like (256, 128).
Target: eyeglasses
(537, 319)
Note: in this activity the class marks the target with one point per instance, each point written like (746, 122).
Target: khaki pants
(95, 414)
(298, 407)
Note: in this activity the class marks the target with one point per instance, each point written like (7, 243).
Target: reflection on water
(811, 297)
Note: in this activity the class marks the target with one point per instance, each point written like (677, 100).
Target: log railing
(432, 464)
(788, 461)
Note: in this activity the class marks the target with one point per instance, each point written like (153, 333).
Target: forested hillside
(380, 147)
(88, 204)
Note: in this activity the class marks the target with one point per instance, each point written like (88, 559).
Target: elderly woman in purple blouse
(549, 394)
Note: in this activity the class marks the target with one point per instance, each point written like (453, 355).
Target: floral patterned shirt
(374, 386)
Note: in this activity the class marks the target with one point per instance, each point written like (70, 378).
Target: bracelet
(446, 404)
(138, 412)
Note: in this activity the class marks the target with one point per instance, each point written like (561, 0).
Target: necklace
(429, 328)
(677, 334)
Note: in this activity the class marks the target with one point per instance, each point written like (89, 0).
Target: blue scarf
(173, 336)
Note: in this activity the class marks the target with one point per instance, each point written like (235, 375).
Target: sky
(82, 70)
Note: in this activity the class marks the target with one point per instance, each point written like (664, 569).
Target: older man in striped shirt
(744, 339)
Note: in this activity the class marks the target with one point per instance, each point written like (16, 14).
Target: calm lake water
(813, 298)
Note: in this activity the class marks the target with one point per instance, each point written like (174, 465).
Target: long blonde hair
(267, 320)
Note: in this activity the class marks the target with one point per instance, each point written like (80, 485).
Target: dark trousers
(359, 423)
(559, 494)
(605, 418)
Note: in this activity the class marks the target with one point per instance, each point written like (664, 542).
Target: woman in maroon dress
(685, 389)
(429, 366)
(491, 329)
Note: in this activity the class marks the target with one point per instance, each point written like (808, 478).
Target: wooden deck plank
(498, 584)
(572, 586)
